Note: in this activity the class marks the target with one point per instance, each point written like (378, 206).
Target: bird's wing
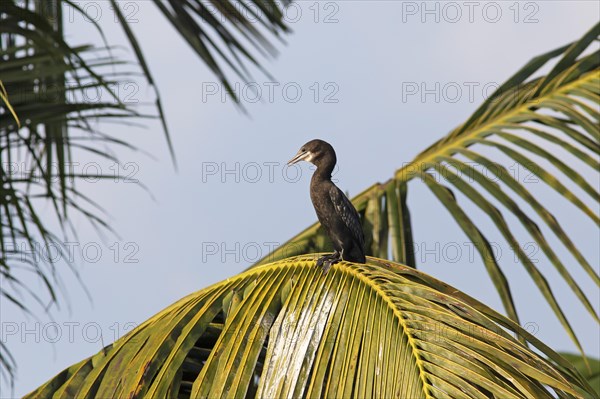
(348, 213)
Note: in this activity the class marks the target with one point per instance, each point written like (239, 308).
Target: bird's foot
(326, 261)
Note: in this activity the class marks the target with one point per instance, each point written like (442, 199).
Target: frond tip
(287, 329)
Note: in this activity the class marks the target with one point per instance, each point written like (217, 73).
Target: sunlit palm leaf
(526, 114)
(287, 329)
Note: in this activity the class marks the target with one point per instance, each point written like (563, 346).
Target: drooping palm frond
(48, 82)
(287, 329)
(48, 79)
(528, 120)
(226, 32)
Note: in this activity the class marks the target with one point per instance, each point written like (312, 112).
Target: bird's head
(315, 151)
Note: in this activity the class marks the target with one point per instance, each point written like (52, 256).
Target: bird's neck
(323, 172)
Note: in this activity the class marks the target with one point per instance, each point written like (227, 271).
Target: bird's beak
(300, 156)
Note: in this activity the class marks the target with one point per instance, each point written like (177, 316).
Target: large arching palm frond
(288, 330)
(528, 121)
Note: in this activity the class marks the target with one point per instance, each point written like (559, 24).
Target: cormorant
(334, 210)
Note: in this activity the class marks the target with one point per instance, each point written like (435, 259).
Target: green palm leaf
(525, 115)
(288, 330)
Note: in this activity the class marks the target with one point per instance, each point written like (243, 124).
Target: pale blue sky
(357, 75)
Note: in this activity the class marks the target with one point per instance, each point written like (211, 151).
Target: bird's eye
(303, 150)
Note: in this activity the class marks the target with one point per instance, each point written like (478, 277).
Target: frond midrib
(411, 341)
(345, 267)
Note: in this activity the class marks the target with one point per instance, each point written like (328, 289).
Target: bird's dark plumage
(334, 210)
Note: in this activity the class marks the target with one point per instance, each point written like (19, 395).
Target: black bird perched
(334, 210)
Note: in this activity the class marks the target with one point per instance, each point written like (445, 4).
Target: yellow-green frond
(287, 329)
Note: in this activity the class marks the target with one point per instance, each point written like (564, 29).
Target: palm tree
(384, 329)
(48, 121)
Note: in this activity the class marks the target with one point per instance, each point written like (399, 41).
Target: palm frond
(48, 78)
(210, 27)
(289, 330)
(526, 115)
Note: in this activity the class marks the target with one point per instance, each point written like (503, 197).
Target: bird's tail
(355, 255)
